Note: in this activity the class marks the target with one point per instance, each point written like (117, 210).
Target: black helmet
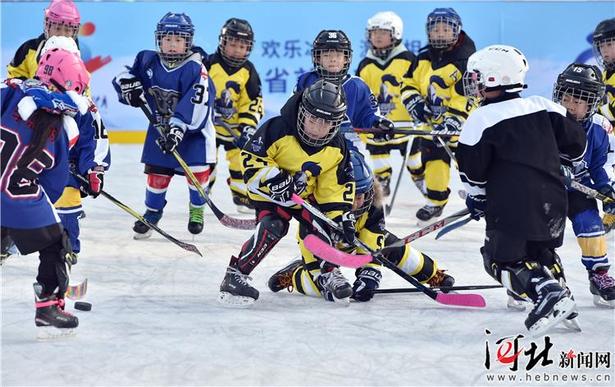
(580, 81)
(236, 29)
(331, 40)
(322, 103)
(604, 32)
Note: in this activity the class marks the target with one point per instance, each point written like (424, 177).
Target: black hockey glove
(348, 223)
(415, 105)
(577, 172)
(95, 182)
(385, 126)
(281, 187)
(451, 126)
(171, 139)
(66, 252)
(132, 91)
(477, 206)
(247, 132)
(368, 280)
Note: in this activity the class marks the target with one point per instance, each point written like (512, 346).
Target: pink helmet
(64, 70)
(63, 12)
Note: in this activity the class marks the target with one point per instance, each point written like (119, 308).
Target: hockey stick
(77, 292)
(428, 229)
(591, 192)
(470, 300)
(389, 207)
(448, 151)
(183, 245)
(325, 251)
(453, 226)
(448, 289)
(241, 224)
(408, 132)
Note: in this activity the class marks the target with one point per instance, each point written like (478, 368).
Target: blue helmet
(364, 182)
(447, 17)
(176, 24)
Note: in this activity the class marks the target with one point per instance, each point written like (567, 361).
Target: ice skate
(283, 278)
(243, 204)
(142, 231)
(602, 286)
(428, 212)
(514, 302)
(441, 280)
(195, 222)
(335, 287)
(50, 318)
(553, 305)
(235, 289)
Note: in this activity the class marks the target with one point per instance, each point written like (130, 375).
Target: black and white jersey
(509, 151)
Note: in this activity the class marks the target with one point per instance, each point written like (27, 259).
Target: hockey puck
(82, 305)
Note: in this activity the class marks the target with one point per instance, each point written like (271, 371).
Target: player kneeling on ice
(38, 130)
(173, 84)
(298, 152)
(312, 276)
(579, 88)
(509, 161)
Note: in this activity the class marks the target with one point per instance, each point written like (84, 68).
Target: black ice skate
(552, 305)
(283, 278)
(441, 280)
(142, 231)
(602, 286)
(51, 319)
(235, 289)
(428, 212)
(195, 222)
(385, 183)
(335, 287)
(419, 182)
(515, 302)
(244, 206)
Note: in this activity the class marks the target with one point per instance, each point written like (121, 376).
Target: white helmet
(387, 21)
(62, 42)
(497, 67)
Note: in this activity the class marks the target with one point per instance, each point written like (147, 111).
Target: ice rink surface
(156, 319)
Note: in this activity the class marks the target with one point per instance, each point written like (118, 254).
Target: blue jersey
(362, 105)
(597, 129)
(28, 192)
(181, 96)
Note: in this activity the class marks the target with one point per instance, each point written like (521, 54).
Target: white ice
(156, 320)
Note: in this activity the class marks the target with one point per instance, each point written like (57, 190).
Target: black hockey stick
(456, 299)
(228, 221)
(445, 289)
(389, 207)
(459, 223)
(428, 229)
(183, 245)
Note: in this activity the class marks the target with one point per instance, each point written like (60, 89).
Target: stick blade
(239, 224)
(328, 253)
(469, 300)
(77, 292)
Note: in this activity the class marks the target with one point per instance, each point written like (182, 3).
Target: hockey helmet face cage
(331, 55)
(62, 19)
(443, 28)
(321, 113)
(235, 41)
(496, 67)
(580, 90)
(174, 34)
(364, 184)
(603, 42)
(64, 70)
(388, 22)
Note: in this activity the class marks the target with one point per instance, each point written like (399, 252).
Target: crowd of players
(518, 157)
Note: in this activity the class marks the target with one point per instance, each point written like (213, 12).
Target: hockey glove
(169, 142)
(66, 252)
(347, 235)
(385, 126)
(477, 206)
(415, 105)
(281, 187)
(132, 91)
(368, 280)
(608, 219)
(95, 181)
(577, 172)
(247, 132)
(450, 127)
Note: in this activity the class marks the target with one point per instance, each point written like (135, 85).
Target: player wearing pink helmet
(61, 19)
